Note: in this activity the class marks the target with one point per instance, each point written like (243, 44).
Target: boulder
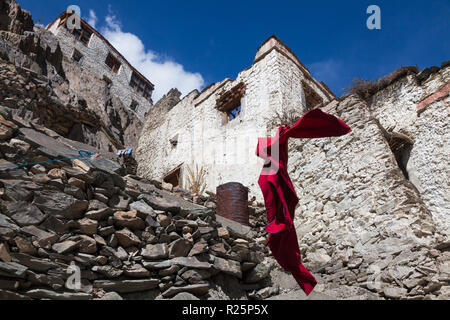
(59, 204)
(127, 238)
(65, 247)
(88, 226)
(179, 248)
(129, 220)
(155, 252)
(230, 267)
(25, 214)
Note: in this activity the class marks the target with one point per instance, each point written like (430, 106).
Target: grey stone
(129, 220)
(142, 207)
(44, 238)
(179, 248)
(152, 265)
(260, 272)
(196, 276)
(160, 203)
(88, 226)
(236, 229)
(395, 293)
(196, 289)
(119, 202)
(111, 296)
(6, 222)
(137, 272)
(35, 264)
(156, 252)
(52, 295)
(12, 270)
(184, 296)
(169, 271)
(127, 238)
(60, 205)
(65, 247)
(108, 271)
(8, 295)
(18, 190)
(127, 286)
(25, 214)
(191, 262)
(230, 267)
(152, 222)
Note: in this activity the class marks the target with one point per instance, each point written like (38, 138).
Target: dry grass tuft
(196, 180)
(366, 88)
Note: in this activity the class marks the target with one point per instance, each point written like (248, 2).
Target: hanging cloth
(279, 193)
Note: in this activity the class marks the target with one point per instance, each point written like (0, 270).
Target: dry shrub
(196, 180)
(366, 88)
(289, 117)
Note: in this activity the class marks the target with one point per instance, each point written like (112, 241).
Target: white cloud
(163, 72)
(92, 20)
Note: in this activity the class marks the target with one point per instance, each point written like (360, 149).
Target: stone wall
(360, 222)
(94, 56)
(273, 84)
(396, 108)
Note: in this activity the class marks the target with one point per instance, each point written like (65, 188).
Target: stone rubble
(137, 238)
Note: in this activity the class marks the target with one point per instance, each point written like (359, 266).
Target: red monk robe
(279, 193)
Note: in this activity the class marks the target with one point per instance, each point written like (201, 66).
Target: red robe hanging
(279, 193)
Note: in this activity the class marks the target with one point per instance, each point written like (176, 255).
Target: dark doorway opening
(401, 145)
(174, 178)
(313, 99)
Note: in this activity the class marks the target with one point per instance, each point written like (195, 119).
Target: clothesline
(82, 155)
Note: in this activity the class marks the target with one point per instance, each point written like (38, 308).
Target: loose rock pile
(123, 237)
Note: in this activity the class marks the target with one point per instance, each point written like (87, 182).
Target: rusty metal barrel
(232, 202)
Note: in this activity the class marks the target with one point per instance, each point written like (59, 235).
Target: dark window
(174, 178)
(113, 63)
(174, 141)
(230, 103)
(142, 86)
(313, 99)
(85, 37)
(77, 56)
(233, 114)
(134, 105)
(83, 34)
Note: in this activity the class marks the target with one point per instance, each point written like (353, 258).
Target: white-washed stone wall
(226, 151)
(429, 163)
(359, 219)
(94, 56)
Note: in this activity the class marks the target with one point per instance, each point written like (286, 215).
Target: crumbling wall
(94, 56)
(227, 150)
(360, 222)
(397, 109)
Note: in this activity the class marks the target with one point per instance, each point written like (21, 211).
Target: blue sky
(193, 43)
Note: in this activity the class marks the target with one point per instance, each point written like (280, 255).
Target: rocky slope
(130, 238)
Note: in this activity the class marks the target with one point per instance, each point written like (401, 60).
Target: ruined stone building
(400, 137)
(88, 48)
(218, 128)
(373, 219)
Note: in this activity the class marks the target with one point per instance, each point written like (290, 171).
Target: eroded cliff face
(41, 84)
